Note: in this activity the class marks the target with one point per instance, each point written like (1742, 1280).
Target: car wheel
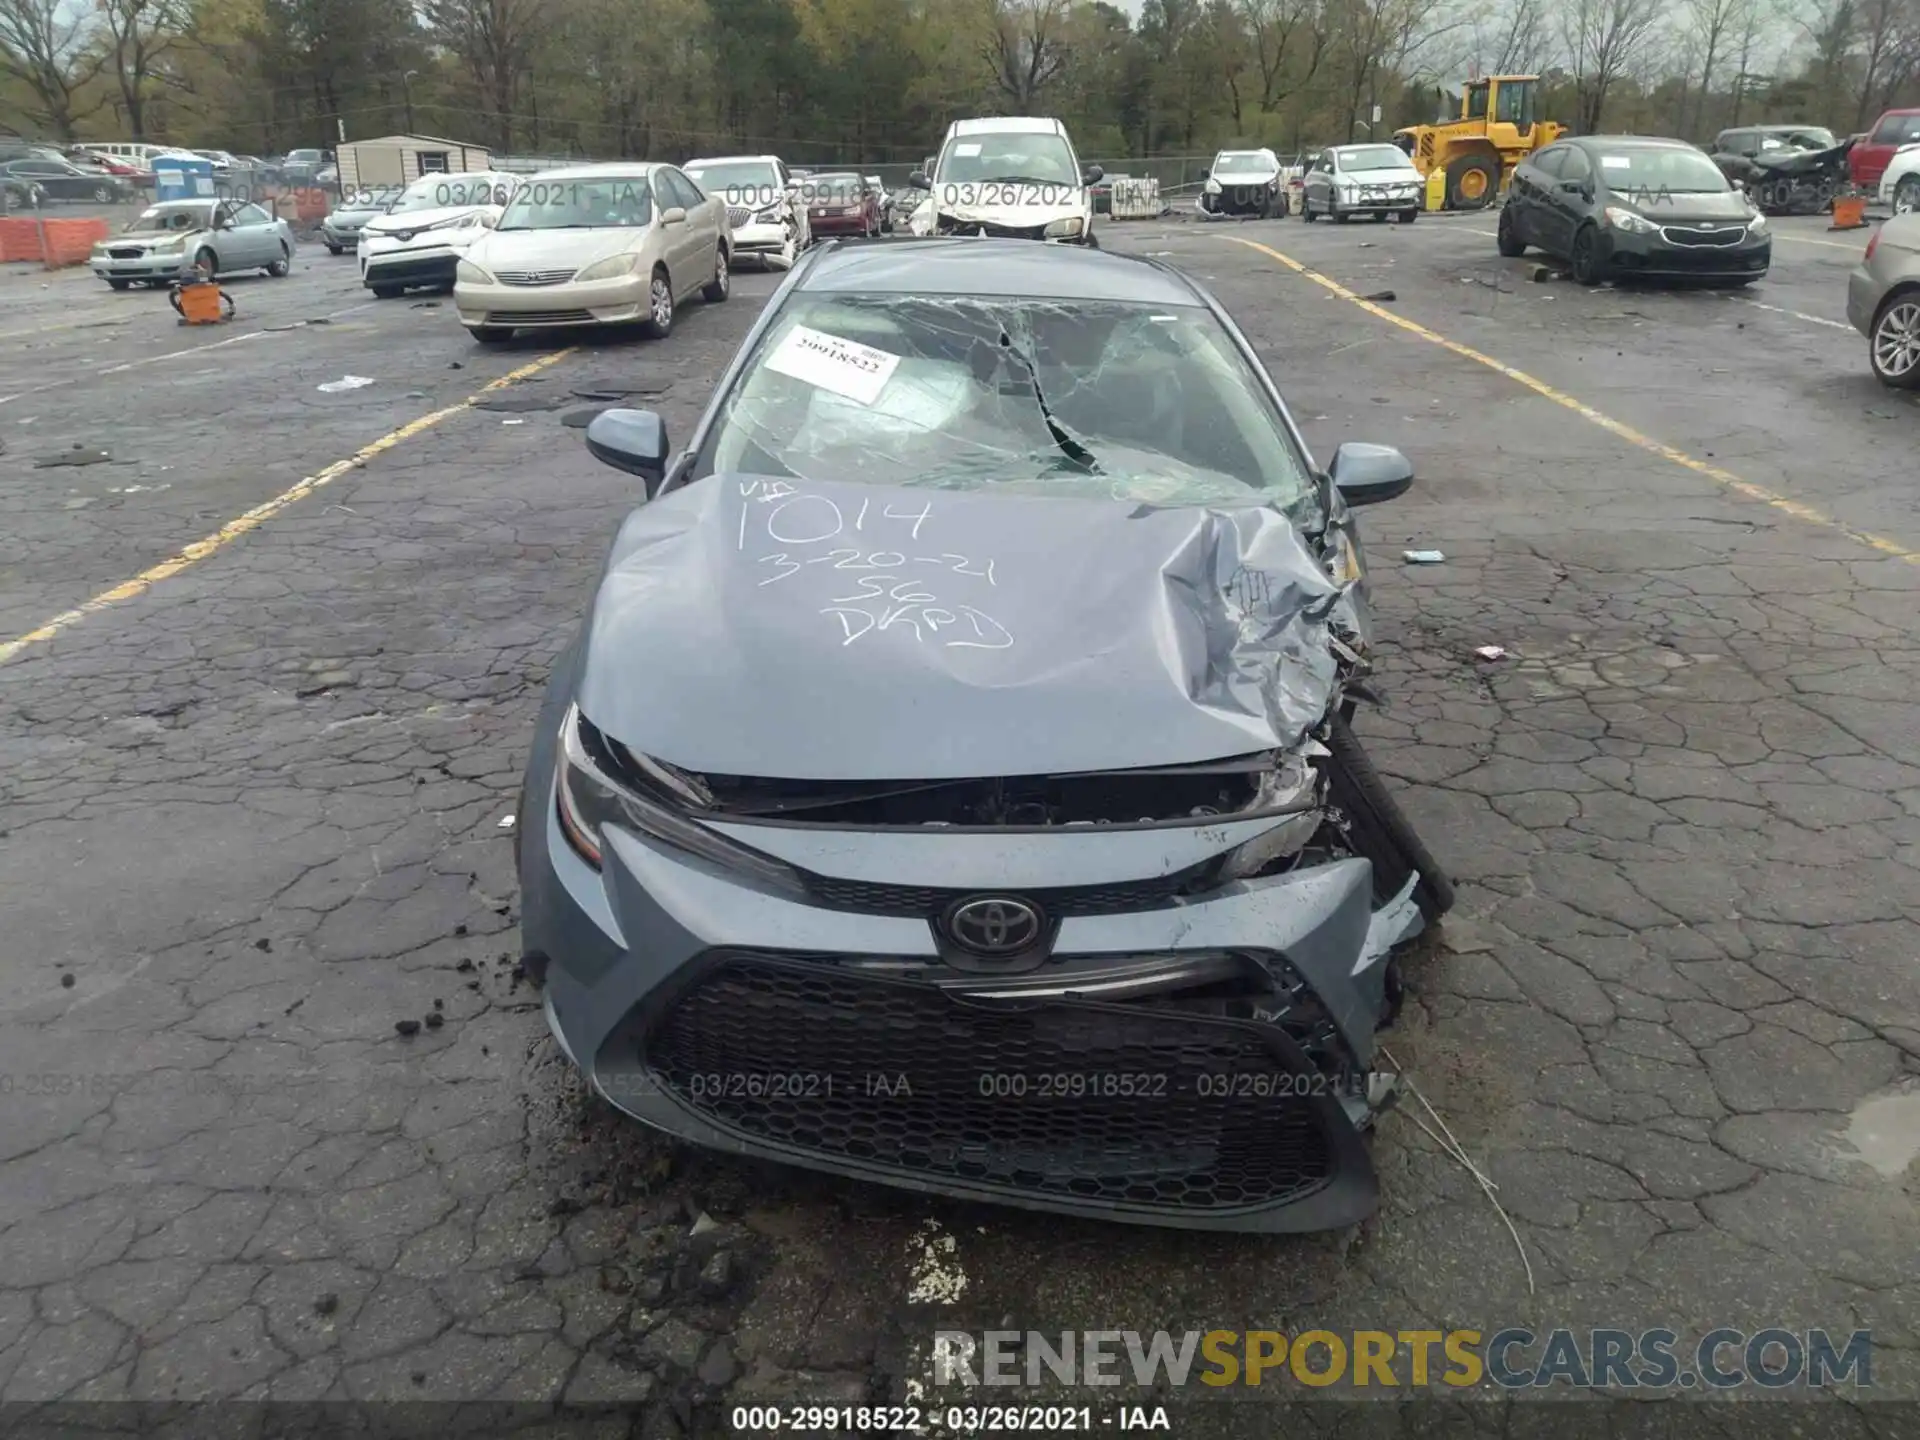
(659, 321)
(1894, 343)
(336, 250)
(388, 292)
(104, 194)
(1472, 182)
(206, 265)
(491, 334)
(1306, 210)
(1407, 217)
(281, 267)
(1378, 829)
(1508, 238)
(718, 288)
(119, 284)
(1336, 214)
(1587, 267)
(1906, 195)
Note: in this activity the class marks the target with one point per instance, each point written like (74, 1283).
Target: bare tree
(1513, 40)
(1713, 24)
(494, 40)
(43, 46)
(1025, 47)
(1605, 40)
(1281, 30)
(143, 33)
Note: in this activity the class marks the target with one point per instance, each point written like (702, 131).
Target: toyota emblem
(994, 926)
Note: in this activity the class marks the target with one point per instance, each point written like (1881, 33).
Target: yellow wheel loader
(1477, 148)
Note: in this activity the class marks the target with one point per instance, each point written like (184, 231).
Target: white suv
(764, 208)
(1010, 176)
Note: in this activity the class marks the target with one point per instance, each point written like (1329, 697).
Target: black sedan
(1617, 206)
(59, 180)
(951, 782)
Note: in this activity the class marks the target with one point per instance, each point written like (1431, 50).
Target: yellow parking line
(1626, 432)
(200, 549)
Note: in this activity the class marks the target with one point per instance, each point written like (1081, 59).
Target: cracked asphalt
(250, 819)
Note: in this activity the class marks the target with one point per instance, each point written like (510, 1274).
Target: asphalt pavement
(267, 676)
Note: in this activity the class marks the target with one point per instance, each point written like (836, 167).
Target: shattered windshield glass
(159, 221)
(1073, 398)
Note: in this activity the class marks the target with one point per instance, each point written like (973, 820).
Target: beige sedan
(595, 245)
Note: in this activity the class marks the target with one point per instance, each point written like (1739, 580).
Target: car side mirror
(676, 215)
(631, 440)
(1092, 175)
(1368, 474)
(918, 181)
(489, 220)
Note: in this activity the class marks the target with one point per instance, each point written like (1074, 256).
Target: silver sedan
(177, 239)
(1883, 301)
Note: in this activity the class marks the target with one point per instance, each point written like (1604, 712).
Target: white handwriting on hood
(915, 588)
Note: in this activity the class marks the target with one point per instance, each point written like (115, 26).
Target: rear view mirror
(1368, 474)
(631, 440)
(918, 181)
(1092, 175)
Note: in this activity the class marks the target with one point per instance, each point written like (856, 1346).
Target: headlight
(1062, 229)
(471, 274)
(1345, 565)
(1213, 187)
(589, 799)
(611, 268)
(1757, 224)
(1293, 783)
(769, 216)
(168, 247)
(1627, 220)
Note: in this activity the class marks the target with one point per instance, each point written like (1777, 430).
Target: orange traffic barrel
(201, 303)
(1849, 212)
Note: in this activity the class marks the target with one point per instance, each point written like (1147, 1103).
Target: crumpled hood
(809, 631)
(551, 249)
(1074, 202)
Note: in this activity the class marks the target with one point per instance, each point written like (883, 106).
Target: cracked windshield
(1105, 401)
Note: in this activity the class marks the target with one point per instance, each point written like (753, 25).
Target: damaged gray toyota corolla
(951, 784)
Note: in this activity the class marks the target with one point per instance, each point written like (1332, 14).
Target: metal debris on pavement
(1423, 557)
(1381, 295)
(521, 403)
(1491, 652)
(78, 455)
(345, 382)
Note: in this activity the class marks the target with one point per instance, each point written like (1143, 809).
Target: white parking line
(1796, 314)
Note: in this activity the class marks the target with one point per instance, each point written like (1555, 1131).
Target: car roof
(1008, 125)
(615, 170)
(1633, 142)
(727, 159)
(1020, 268)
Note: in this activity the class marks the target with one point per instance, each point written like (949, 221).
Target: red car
(1868, 159)
(112, 164)
(841, 203)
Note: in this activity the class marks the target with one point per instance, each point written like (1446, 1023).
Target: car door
(1530, 194)
(261, 234)
(1571, 198)
(229, 247)
(689, 244)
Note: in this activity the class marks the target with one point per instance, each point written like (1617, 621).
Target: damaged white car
(1010, 178)
(1244, 183)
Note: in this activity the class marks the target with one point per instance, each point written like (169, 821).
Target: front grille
(996, 232)
(1699, 236)
(533, 277)
(737, 215)
(540, 317)
(1082, 1102)
(126, 252)
(873, 897)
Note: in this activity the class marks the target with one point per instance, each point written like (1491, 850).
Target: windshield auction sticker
(1007, 192)
(845, 367)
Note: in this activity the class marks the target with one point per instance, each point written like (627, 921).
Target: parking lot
(268, 673)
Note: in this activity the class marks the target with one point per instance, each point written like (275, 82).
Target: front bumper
(1240, 199)
(1864, 294)
(414, 264)
(760, 237)
(838, 224)
(830, 1033)
(170, 266)
(1653, 256)
(1377, 200)
(595, 302)
(347, 238)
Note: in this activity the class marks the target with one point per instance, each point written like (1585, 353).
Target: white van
(135, 152)
(1011, 176)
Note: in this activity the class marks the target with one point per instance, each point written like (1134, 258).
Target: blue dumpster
(182, 177)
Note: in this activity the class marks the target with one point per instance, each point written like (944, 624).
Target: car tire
(119, 284)
(1906, 195)
(1407, 217)
(1588, 269)
(718, 288)
(105, 194)
(336, 250)
(282, 267)
(491, 334)
(659, 322)
(1461, 186)
(388, 292)
(1893, 344)
(1507, 237)
(206, 264)
(1306, 210)
(1378, 829)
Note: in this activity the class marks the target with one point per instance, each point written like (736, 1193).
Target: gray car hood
(813, 631)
